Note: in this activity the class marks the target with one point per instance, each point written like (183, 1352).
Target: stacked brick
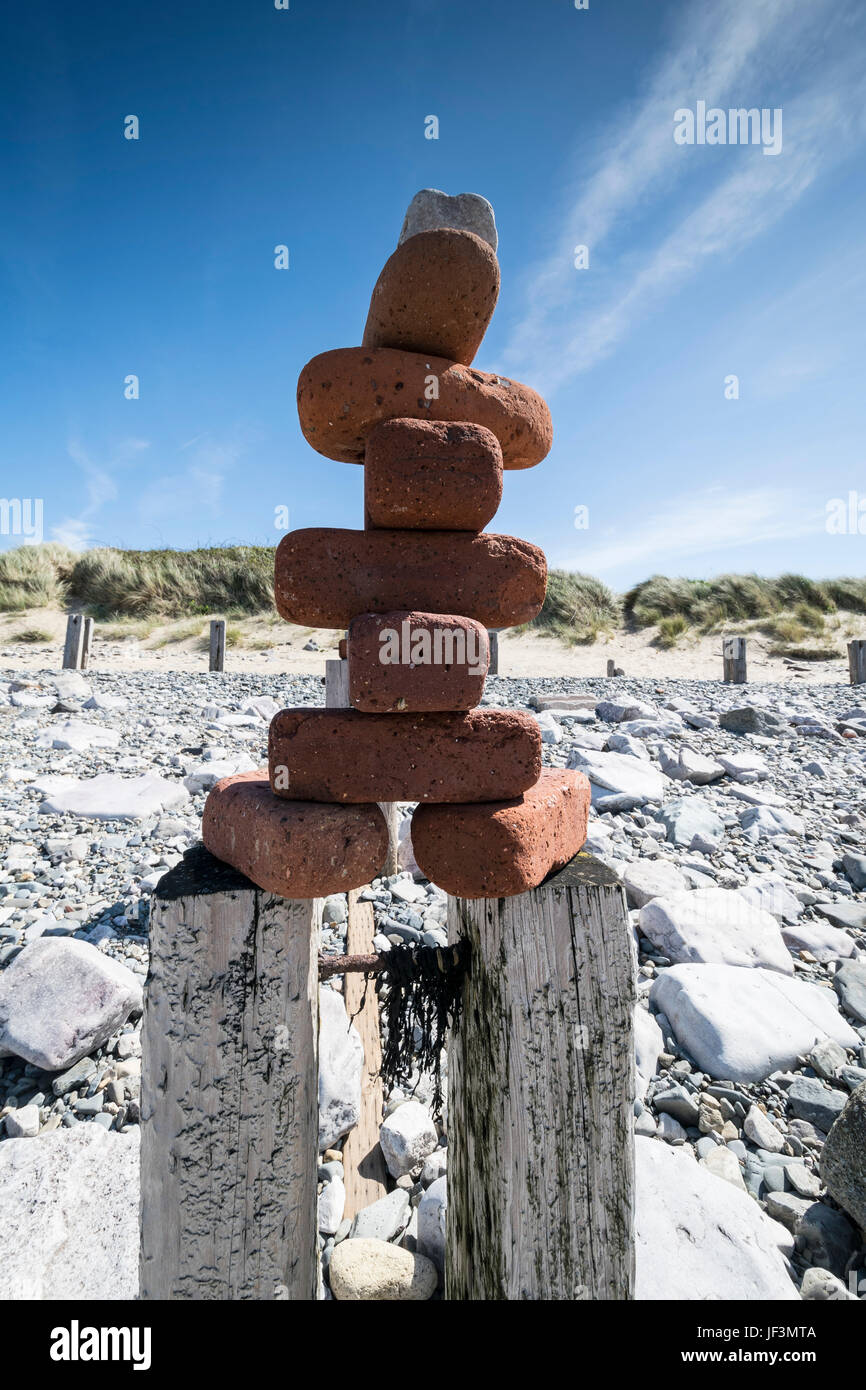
(417, 589)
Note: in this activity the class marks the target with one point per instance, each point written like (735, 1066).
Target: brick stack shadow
(417, 589)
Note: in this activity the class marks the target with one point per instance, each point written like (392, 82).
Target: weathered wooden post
(857, 661)
(229, 1095)
(611, 667)
(493, 639)
(734, 660)
(541, 1090)
(217, 644)
(86, 643)
(74, 642)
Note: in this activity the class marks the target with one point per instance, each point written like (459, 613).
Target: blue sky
(305, 127)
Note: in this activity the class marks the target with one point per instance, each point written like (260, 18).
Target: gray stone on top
(466, 212)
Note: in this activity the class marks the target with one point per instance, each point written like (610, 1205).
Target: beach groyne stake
(217, 658)
(418, 589)
(73, 648)
(857, 661)
(734, 660)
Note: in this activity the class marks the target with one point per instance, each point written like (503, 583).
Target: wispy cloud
(196, 489)
(100, 488)
(704, 524)
(735, 54)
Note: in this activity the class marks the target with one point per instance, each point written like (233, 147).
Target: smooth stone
(714, 925)
(434, 1167)
(820, 1286)
(206, 774)
(685, 765)
(407, 1137)
(332, 1200)
(368, 1270)
(648, 1045)
(760, 1129)
(827, 1058)
(383, 1219)
(741, 1025)
(825, 1237)
(23, 1123)
(341, 1059)
(698, 1238)
(465, 212)
(77, 735)
(855, 867)
(844, 914)
(619, 775)
(773, 895)
(849, 983)
(646, 879)
(843, 1159)
(723, 1164)
(749, 720)
(110, 796)
(74, 1193)
(61, 998)
(787, 1208)
(820, 939)
(432, 1211)
(690, 817)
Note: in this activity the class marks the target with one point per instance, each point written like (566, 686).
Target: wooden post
(229, 1099)
(363, 1161)
(857, 661)
(541, 1091)
(86, 643)
(74, 642)
(611, 667)
(734, 660)
(337, 684)
(493, 639)
(217, 644)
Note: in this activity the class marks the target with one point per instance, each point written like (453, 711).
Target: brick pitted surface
(432, 476)
(296, 849)
(505, 847)
(343, 755)
(412, 662)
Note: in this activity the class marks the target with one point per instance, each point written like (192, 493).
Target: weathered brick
(432, 476)
(413, 662)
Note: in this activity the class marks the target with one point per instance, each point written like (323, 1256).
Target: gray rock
(466, 212)
(687, 817)
(629, 780)
(844, 914)
(843, 1160)
(814, 1102)
(435, 1167)
(431, 1222)
(341, 1058)
(820, 939)
(110, 796)
(714, 925)
(723, 1164)
(648, 1044)
(23, 1123)
(679, 1102)
(384, 1219)
(825, 1237)
(749, 720)
(332, 1200)
(74, 1194)
(685, 765)
(646, 879)
(786, 1207)
(376, 1271)
(760, 1129)
(849, 983)
(827, 1059)
(407, 1137)
(741, 1025)
(60, 998)
(855, 867)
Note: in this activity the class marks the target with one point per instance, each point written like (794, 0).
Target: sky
(704, 369)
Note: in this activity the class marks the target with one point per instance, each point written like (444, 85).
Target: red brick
(296, 849)
(432, 476)
(383, 678)
(343, 755)
(436, 294)
(342, 394)
(325, 577)
(506, 847)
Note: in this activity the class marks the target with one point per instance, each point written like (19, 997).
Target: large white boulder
(110, 796)
(699, 1237)
(645, 879)
(648, 1044)
(715, 925)
(60, 998)
(618, 775)
(741, 1025)
(69, 1211)
(77, 735)
(432, 1215)
(341, 1059)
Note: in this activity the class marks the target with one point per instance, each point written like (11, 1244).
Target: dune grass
(132, 593)
(32, 634)
(577, 607)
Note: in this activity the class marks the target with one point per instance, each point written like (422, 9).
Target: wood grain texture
(363, 1162)
(734, 660)
(541, 1087)
(229, 1090)
(857, 661)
